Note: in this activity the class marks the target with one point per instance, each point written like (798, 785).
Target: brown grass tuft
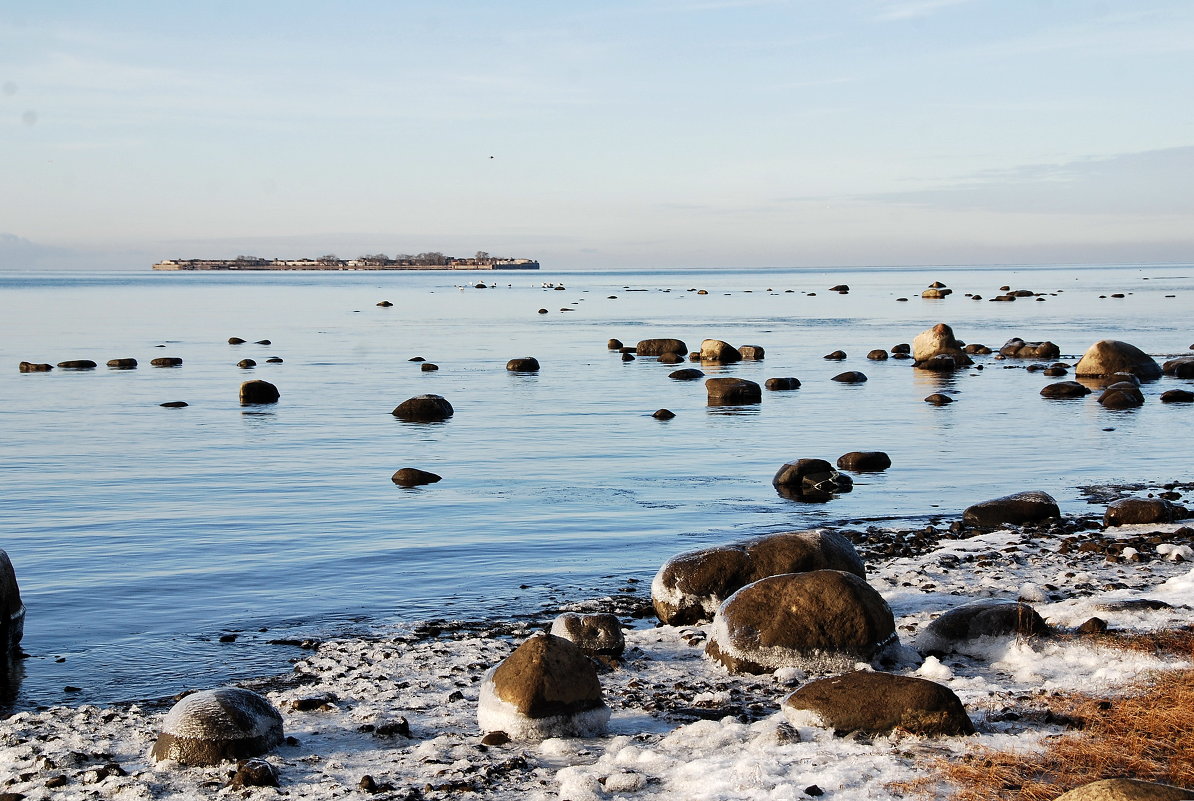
(1147, 736)
(1177, 642)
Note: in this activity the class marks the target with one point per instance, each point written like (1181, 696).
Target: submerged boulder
(596, 634)
(687, 374)
(987, 618)
(1110, 356)
(255, 392)
(78, 364)
(877, 703)
(691, 586)
(850, 377)
(424, 409)
(212, 726)
(732, 391)
(825, 619)
(1017, 348)
(937, 349)
(122, 364)
(414, 477)
(812, 480)
(1122, 395)
(546, 688)
(1032, 506)
(658, 347)
(1065, 389)
(782, 384)
(12, 611)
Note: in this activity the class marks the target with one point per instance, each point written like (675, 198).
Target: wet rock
(78, 364)
(1065, 389)
(1182, 367)
(691, 586)
(782, 384)
(1177, 396)
(614, 344)
(657, 347)
(878, 703)
(424, 409)
(987, 618)
(235, 341)
(936, 294)
(596, 634)
(428, 367)
(174, 405)
(903, 347)
(864, 461)
(877, 355)
(255, 392)
(546, 688)
(812, 480)
(663, 414)
(628, 357)
(687, 374)
(825, 619)
(263, 342)
(414, 477)
(835, 356)
(850, 377)
(254, 773)
(936, 347)
(1130, 511)
(525, 364)
(1108, 356)
(12, 610)
(495, 738)
(839, 288)
(975, 348)
(732, 391)
(211, 726)
(1032, 506)
(939, 399)
(245, 364)
(122, 364)
(1055, 372)
(34, 367)
(166, 361)
(1122, 395)
(1126, 790)
(543, 311)
(670, 358)
(1019, 349)
(751, 353)
(385, 304)
(719, 352)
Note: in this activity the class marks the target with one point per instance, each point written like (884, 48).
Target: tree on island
(430, 259)
(328, 258)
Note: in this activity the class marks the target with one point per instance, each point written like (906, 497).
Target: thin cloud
(913, 9)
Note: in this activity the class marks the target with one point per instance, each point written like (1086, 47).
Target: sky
(611, 134)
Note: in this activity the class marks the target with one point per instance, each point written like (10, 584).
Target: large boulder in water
(1018, 508)
(812, 480)
(1109, 356)
(1126, 790)
(964, 624)
(715, 350)
(658, 347)
(1017, 348)
(751, 353)
(424, 409)
(936, 347)
(1122, 395)
(823, 620)
(212, 726)
(255, 392)
(523, 364)
(878, 703)
(1181, 367)
(732, 391)
(546, 688)
(12, 611)
(691, 586)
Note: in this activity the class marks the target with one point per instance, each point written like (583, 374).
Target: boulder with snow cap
(12, 611)
(596, 634)
(988, 618)
(823, 620)
(937, 347)
(1110, 356)
(212, 726)
(877, 703)
(1126, 790)
(1018, 508)
(691, 586)
(546, 688)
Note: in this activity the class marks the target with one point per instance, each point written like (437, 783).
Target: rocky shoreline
(396, 716)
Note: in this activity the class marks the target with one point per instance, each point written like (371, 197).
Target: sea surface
(143, 535)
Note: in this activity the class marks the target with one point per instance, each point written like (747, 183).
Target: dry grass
(1147, 734)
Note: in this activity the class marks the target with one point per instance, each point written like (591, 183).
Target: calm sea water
(142, 534)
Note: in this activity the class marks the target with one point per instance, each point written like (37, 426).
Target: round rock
(595, 634)
(212, 726)
(166, 361)
(414, 477)
(782, 384)
(751, 353)
(850, 377)
(719, 352)
(988, 618)
(1108, 356)
(938, 345)
(245, 364)
(823, 620)
(614, 344)
(671, 358)
(1130, 511)
(424, 409)
(1177, 396)
(687, 374)
(939, 399)
(878, 703)
(732, 391)
(864, 461)
(1122, 395)
(657, 347)
(877, 355)
(524, 364)
(34, 367)
(78, 364)
(663, 414)
(1064, 389)
(1032, 506)
(1017, 348)
(256, 392)
(812, 480)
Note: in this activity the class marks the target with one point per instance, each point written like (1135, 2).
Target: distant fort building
(363, 263)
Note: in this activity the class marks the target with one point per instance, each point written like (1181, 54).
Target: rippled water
(142, 534)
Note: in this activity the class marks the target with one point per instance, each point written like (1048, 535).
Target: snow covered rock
(12, 611)
(1108, 356)
(876, 703)
(1127, 511)
(596, 634)
(689, 587)
(546, 688)
(988, 618)
(1020, 507)
(824, 619)
(932, 349)
(1126, 790)
(211, 726)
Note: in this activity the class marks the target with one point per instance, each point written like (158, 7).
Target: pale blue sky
(661, 133)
